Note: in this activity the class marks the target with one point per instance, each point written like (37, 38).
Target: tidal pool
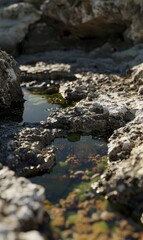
(77, 157)
(36, 107)
(76, 211)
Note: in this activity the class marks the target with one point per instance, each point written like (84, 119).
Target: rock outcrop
(65, 24)
(26, 149)
(123, 182)
(21, 207)
(105, 85)
(10, 92)
(97, 18)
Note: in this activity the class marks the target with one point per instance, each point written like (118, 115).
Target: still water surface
(36, 107)
(74, 155)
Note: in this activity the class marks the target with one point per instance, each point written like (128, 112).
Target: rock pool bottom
(78, 159)
(76, 211)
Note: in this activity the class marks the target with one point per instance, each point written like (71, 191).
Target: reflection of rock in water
(13, 113)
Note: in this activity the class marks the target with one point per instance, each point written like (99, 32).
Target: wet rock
(15, 20)
(21, 207)
(10, 91)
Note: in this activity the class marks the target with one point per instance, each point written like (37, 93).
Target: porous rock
(10, 91)
(21, 207)
(123, 181)
(26, 150)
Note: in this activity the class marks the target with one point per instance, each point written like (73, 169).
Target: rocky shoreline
(105, 83)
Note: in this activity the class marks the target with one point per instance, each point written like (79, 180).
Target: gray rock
(123, 182)
(97, 18)
(10, 91)
(26, 149)
(15, 20)
(21, 207)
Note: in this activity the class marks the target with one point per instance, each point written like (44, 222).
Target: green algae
(56, 98)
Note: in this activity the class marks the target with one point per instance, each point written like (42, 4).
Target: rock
(15, 20)
(137, 77)
(66, 24)
(26, 150)
(36, 3)
(21, 207)
(97, 18)
(46, 39)
(123, 182)
(10, 91)
(43, 71)
(90, 117)
(140, 91)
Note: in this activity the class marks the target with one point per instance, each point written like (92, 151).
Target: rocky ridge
(65, 24)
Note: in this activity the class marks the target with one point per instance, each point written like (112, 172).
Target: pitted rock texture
(91, 116)
(50, 73)
(21, 207)
(26, 150)
(123, 181)
(10, 91)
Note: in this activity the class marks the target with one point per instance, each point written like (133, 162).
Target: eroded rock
(10, 91)
(97, 18)
(21, 207)
(122, 183)
(15, 20)
(26, 150)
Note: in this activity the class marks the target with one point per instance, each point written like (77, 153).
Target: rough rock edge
(21, 207)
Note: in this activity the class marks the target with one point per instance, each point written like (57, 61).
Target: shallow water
(75, 156)
(36, 107)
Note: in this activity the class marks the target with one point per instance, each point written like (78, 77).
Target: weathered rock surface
(91, 116)
(21, 207)
(14, 23)
(41, 72)
(26, 149)
(123, 181)
(10, 91)
(97, 18)
(64, 24)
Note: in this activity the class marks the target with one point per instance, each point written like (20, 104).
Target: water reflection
(36, 107)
